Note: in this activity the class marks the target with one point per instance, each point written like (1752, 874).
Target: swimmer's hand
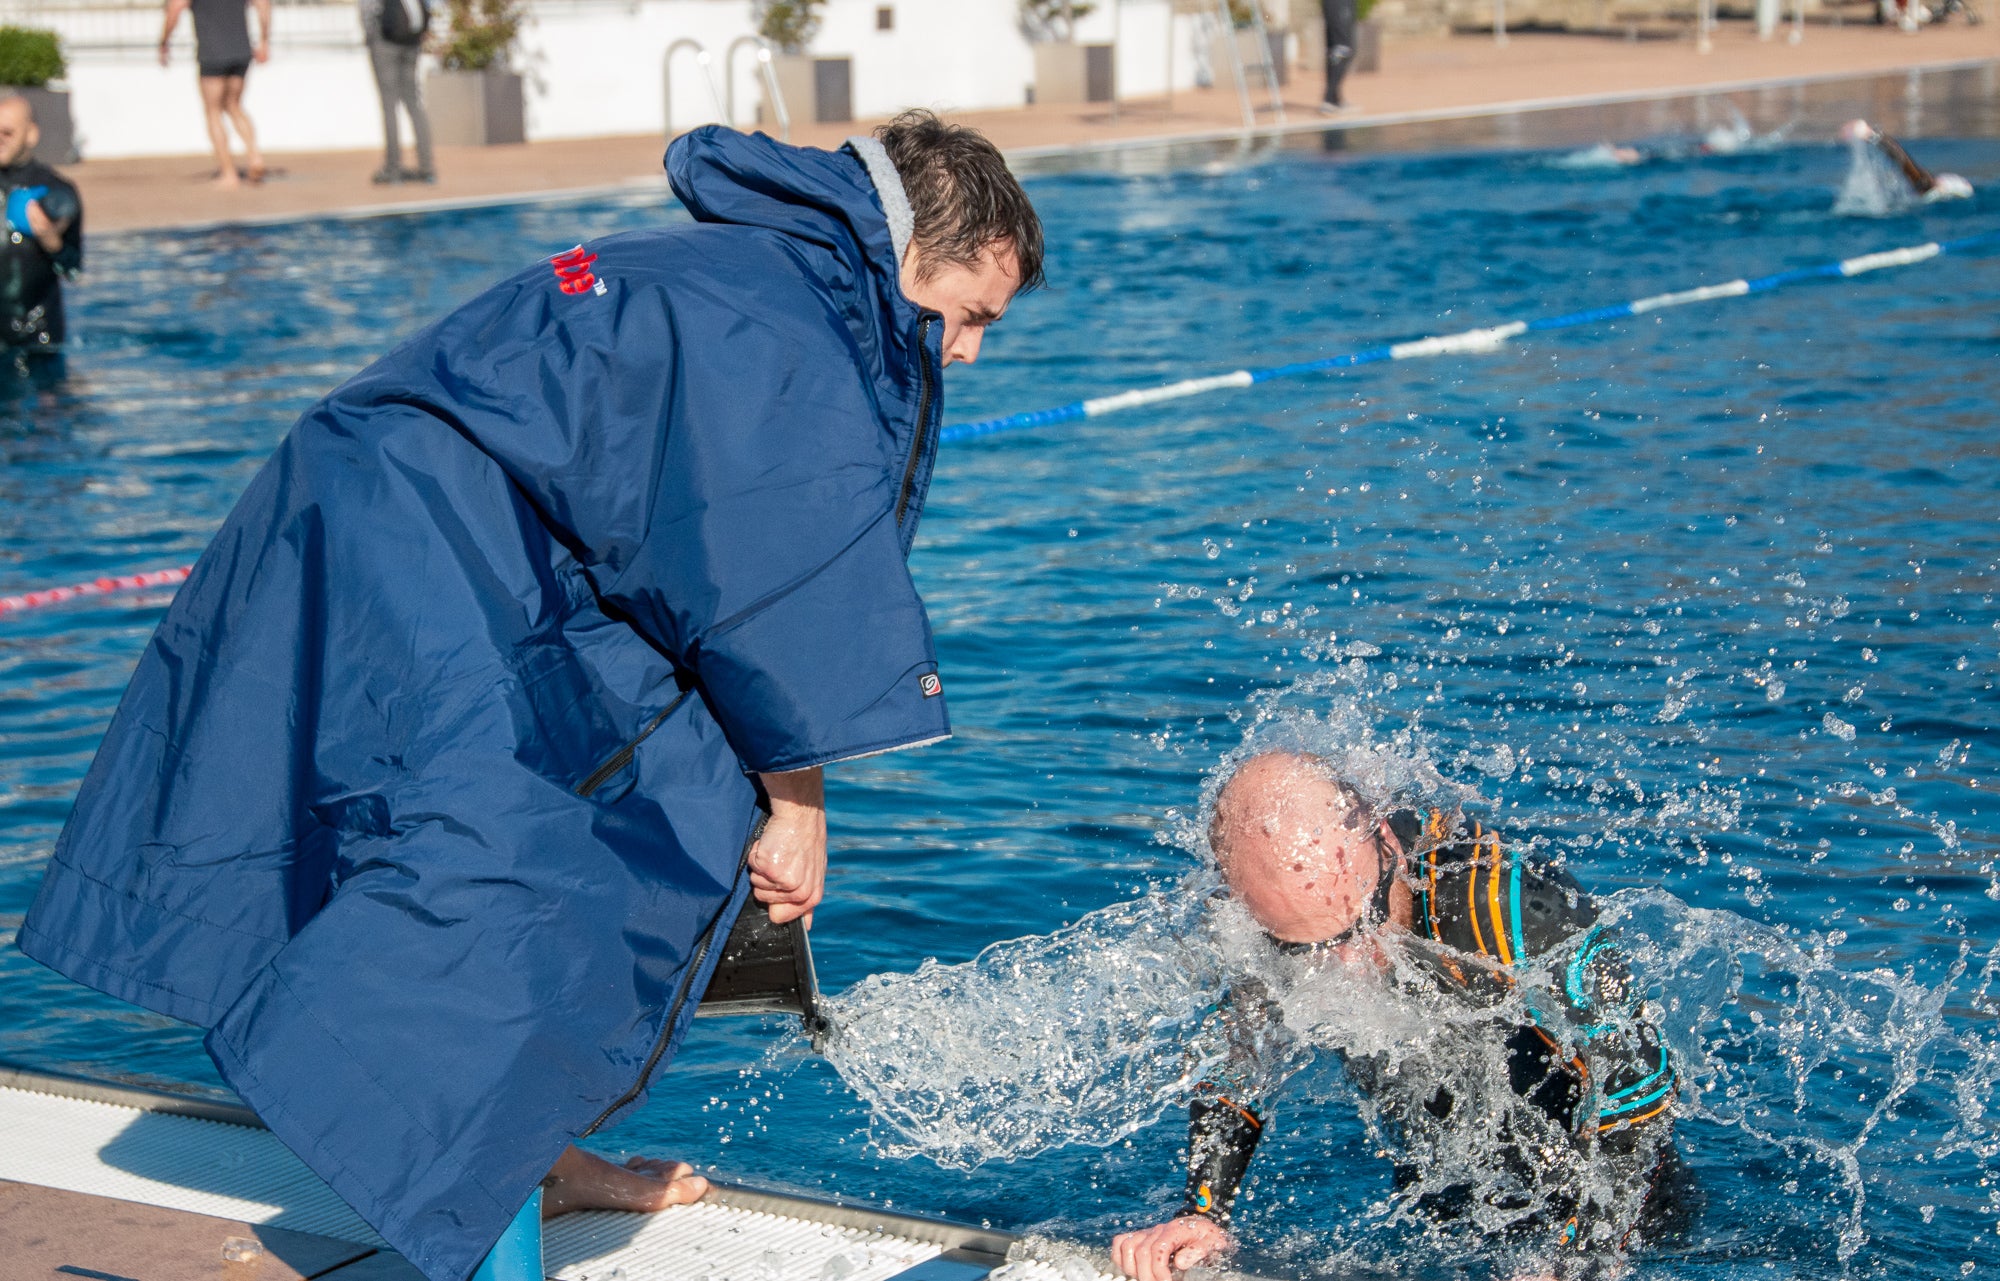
(1156, 1253)
(788, 863)
(584, 1181)
(47, 231)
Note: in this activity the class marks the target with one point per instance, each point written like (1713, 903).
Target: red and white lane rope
(96, 587)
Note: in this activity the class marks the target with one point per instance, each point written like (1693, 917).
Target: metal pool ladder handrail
(667, 79)
(767, 71)
(1270, 69)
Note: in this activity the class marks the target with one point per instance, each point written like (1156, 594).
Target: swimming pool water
(1705, 597)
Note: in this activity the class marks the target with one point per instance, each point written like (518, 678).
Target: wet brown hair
(962, 195)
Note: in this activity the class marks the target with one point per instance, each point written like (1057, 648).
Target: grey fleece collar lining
(889, 187)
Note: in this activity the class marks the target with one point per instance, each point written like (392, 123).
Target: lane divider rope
(1485, 339)
(1488, 338)
(96, 587)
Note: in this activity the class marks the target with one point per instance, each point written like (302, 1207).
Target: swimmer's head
(1949, 186)
(1302, 850)
(18, 131)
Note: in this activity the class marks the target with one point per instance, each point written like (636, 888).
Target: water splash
(1078, 1037)
(1832, 1075)
(1873, 187)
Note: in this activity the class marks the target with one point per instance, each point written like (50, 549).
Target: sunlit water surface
(1704, 601)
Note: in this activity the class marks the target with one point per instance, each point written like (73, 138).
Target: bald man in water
(42, 243)
(1326, 874)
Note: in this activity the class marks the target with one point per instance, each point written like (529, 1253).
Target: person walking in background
(1340, 39)
(395, 33)
(223, 54)
(44, 241)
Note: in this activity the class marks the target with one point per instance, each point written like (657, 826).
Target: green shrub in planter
(478, 34)
(788, 24)
(30, 58)
(1053, 19)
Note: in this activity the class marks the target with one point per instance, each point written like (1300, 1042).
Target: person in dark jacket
(1341, 36)
(44, 241)
(511, 676)
(1324, 873)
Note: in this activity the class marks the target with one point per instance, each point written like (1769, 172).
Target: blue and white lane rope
(1471, 340)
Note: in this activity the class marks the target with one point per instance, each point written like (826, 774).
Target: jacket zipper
(623, 756)
(680, 996)
(923, 418)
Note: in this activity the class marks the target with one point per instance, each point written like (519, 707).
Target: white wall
(311, 100)
(594, 67)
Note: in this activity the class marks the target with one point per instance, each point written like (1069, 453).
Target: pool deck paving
(1422, 77)
(50, 1234)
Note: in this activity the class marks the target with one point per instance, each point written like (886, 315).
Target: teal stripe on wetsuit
(1514, 903)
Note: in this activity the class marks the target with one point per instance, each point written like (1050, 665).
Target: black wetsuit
(1485, 919)
(30, 276)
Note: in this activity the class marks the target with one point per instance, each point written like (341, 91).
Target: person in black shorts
(42, 245)
(223, 54)
(1582, 1127)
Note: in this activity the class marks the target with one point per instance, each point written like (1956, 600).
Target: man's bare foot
(585, 1181)
(226, 178)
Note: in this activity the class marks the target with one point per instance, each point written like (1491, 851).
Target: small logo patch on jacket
(930, 684)
(573, 273)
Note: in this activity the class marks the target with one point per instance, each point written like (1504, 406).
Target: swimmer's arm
(1918, 176)
(1630, 1063)
(175, 8)
(1222, 1137)
(263, 8)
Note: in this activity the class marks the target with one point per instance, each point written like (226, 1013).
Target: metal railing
(707, 74)
(773, 92)
(1225, 22)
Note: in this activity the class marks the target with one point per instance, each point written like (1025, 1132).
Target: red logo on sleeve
(930, 684)
(573, 273)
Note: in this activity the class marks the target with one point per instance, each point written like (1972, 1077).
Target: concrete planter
(1067, 72)
(476, 108)
(1367, 45)
(819, 90)
(51, 107)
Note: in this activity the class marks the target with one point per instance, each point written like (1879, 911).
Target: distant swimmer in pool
(1328, 877)
(1927, 185)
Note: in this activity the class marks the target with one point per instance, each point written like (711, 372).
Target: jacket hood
(849, 203)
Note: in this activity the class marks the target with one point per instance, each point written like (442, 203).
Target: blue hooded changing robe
(429, 796)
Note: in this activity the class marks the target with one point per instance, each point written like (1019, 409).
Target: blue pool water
(1705, 599)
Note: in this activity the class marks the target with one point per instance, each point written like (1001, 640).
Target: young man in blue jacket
(511, 676)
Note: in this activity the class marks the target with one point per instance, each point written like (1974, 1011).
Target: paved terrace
(1451, 75)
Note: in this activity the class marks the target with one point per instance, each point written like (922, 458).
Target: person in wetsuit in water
(43, 244)
(1327, 877)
